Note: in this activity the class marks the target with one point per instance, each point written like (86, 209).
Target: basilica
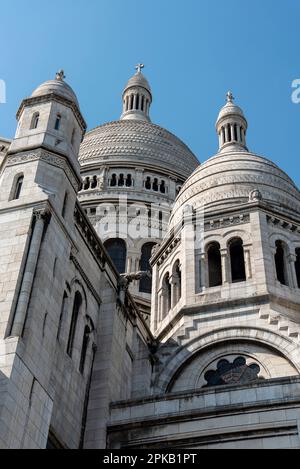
(147, 300)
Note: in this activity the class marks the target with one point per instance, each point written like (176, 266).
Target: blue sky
(194, 51)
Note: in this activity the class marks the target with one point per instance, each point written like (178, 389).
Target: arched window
(75, 313)
(116, 248)
(214, 265)
(121, 180)
(18, 187)
(237, 260)
(94, 182)
(86, 184)
(148, 183)
(35, 120)
(163, 187)
(232, 372)
(155, 185)
(176, 282)
(137, 101)
(57, 122)
(145, 283)
(85, 344)
(168, 293)
(280, 263)
(113, 181)
(142, 105)
(128, 180)
(297, 266)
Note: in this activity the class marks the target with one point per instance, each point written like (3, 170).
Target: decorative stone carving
(255, 195)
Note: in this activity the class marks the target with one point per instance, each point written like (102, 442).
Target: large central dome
(138, 142)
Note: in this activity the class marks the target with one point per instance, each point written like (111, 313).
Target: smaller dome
(57, 86)
(230, 109)
(138, 80)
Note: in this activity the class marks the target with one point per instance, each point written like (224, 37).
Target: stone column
(29, 274)
(129, 263)
(273, 252)
(223, 135)
(247, 257)
(172, 188)
(139, 176)
(242, 136)
(203, 271)
(101, 180)
(238, 131)
(225, 266)
(291, 271)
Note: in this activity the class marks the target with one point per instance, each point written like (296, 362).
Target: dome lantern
(137, 97)
(231, 126)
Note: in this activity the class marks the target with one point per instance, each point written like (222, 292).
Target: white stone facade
(80, 367)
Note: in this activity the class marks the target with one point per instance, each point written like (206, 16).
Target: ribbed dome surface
(228, 178)
(138, 80)
(230, 109)
(127, 141)
(58, 87)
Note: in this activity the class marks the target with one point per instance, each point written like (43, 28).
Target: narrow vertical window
(229, 133)
(117, 250)
(237, 260)
(145, 283)
(57, 122)
(148, 183)
(113, 181)
(155, 185)
(214, 265)
(84, 348)
(94, 182)
(280, 263)
(86, 185)
(35, 120)
(128, 180)
(18, 187)
(75, 313)
(121, 181)
(235, 132)
(63, 212)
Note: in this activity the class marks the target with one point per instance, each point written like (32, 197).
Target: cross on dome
(139, 68)
(60, 75)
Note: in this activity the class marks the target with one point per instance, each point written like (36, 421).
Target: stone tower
(226, 313)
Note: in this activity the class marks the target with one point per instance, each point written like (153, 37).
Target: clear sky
(194, 52)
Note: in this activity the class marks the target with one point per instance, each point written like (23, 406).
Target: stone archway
(283, 346)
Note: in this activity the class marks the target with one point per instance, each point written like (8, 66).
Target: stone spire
(231, 126)
(137, 97)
